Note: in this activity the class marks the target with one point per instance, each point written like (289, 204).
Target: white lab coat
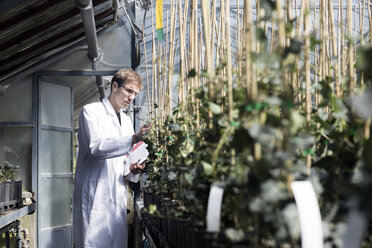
(100, 194)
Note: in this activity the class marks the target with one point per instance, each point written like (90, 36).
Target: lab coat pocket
(95, 194)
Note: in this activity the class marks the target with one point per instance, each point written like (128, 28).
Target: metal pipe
(100, 85)
(87, 15)
(18, 234)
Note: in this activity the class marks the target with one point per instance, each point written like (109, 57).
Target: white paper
(139, 155)
(214, 209)
(308, 210)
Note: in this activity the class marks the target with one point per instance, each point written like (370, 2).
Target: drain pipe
(87, 15)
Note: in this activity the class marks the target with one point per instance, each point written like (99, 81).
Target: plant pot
(10, 195)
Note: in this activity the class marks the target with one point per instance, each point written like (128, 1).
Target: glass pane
(55, 105)
(57, 239)
(16, 148)
(16, 103)
(55, 152)
(55, 202)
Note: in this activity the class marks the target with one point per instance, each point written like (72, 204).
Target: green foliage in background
(7, 172)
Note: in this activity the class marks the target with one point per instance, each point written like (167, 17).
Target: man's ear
(115, 85)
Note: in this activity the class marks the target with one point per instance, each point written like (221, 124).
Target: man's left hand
(136, 168)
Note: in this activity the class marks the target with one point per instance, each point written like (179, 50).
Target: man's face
(123, 95)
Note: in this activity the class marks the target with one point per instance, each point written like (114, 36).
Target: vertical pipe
(19, 234)
(7, 239)
(87, 16)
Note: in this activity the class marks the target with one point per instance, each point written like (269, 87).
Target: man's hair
(125, 76)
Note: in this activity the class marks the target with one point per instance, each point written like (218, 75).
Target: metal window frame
(28, 209)
(37, 77)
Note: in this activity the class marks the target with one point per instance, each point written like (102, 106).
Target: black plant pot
(196, 232)
(219, 240)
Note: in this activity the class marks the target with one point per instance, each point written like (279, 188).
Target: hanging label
(308, 211)
(214, 209)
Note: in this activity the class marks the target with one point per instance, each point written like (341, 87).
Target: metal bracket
(128, 12)
(133, 108)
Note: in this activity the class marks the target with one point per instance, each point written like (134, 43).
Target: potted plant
(10, 188)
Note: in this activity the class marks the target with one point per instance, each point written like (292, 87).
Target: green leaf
(152, 208)
(308, 152)
(297, 121)
(207, 168)
(204, 74)
(216, 109)
(340, 111)
(234, 123)
(273, 191)
(192, 73)
(290, 214)
(249, 107)
(234, 235)
(172, 176)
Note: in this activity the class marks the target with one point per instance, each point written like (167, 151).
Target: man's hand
(136, 168)
(143, 130)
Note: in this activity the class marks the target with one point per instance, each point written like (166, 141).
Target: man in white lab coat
(105, 136)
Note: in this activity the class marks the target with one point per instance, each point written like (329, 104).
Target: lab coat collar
(111, 111)
(108, 106)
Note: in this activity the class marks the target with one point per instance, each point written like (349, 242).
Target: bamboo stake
(259, 24)
(161, 82)
(307, 73)
(339, 74)
(350, 48)
(229, 72)
(213, 44)
(171, 58)
(367, 129)
(207, 38)
(153, 63)
(272, 37)
(239, 43)
(298, 31)
(361, 24)
(228, 60)
(250, 84)
(193, 49)
(166, 53)
(218, 37)
(342, 49)
(281, 24)
(181, 93)
(370, 22)
(334, 47)
(323, 27)
(316, 61)
(147, 77)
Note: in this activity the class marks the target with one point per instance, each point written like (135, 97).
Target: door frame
(36, 132)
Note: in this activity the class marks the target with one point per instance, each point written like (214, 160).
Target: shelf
(8, 217)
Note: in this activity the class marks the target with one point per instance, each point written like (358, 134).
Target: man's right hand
(139, 135)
